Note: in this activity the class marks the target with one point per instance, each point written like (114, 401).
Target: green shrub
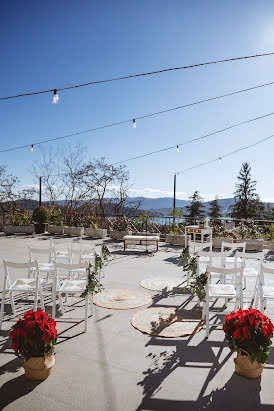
(40, 215)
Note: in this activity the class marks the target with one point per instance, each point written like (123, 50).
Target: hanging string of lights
(177, 146)
(226, 155)
(90, 83)
(133, 121)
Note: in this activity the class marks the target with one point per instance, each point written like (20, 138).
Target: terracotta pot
(246, 368)
(38, 368)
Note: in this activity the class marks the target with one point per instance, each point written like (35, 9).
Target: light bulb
(178, 149)
(111, 168)
(220, 160)
(32, 149)
(134, 123)
(55, 97)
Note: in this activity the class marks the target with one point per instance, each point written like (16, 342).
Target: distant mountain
(162, 205)
(165, 204)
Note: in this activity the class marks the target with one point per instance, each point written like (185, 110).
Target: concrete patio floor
(116, 367)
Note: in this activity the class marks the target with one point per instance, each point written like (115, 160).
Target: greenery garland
(198, 285)
(93, 285)
(105, 252)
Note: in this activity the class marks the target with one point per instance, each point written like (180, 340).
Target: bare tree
(49, 169)
(8, 194)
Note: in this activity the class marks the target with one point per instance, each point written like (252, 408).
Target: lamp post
(174, 197)
(40, 191)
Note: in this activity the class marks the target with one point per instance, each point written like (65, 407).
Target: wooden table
(202, 231)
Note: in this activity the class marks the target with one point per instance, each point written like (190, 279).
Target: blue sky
(55, 44)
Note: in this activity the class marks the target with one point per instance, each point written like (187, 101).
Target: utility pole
(40, 191)
(174, 197)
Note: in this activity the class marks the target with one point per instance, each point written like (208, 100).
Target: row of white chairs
(33, 285)
(66, 272)
(231, 273)
(234, 290)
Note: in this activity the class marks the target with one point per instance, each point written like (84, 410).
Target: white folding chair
(266, 292)
(226, 291)
(61, 253)
(68, 286)
(228, 260)
(244, 259)
(22, 284)
(49, 253)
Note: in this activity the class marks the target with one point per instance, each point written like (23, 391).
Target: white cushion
(222, 289)
(268, 291)
(45, 266)
(250, 272)
(141, 237)
(24, 284)
(73, 286)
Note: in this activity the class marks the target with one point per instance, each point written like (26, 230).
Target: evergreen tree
(247, 202)
(195, 208)
(215, 209)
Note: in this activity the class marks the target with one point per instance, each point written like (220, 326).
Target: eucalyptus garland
(198, 284)
(105, 252)
(93, 285)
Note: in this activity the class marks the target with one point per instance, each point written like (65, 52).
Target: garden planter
(119, 235)
(217, 241)
(40, 228)
(55, 229)
(270, 245)
(96, 232)
(19, 229)
(246, 368)
(148, 233)
(254, 245)
(38, 368)
(74, 231)
(175, 239)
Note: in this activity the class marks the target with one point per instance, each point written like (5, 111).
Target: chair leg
(61, 303)
(204, 311)
(226, 301)
(41, 297)
(35, 299)
(86, 314)
(2, 308)
(91, 304)
(12, 303)
(53, 301)
(207, 318)
(187, 278)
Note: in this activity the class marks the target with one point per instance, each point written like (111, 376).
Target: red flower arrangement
(249, 331)
(35, 335)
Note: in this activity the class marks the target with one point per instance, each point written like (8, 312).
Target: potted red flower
(249, 332)
(34, 338)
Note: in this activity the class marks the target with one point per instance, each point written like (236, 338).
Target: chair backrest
(80, 253)
(69, 267)
(233, 246)
(44, 251)
(245, 257)
(30, 266)
(208, 254)
(237, 272)
(265, 270)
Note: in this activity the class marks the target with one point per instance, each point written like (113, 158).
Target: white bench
(141, 240)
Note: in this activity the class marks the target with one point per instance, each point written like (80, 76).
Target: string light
(220, 160)
(55, 97)
(207, 63)
(134, 123)
(178, 149)
(156, 114)
(32, 149)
